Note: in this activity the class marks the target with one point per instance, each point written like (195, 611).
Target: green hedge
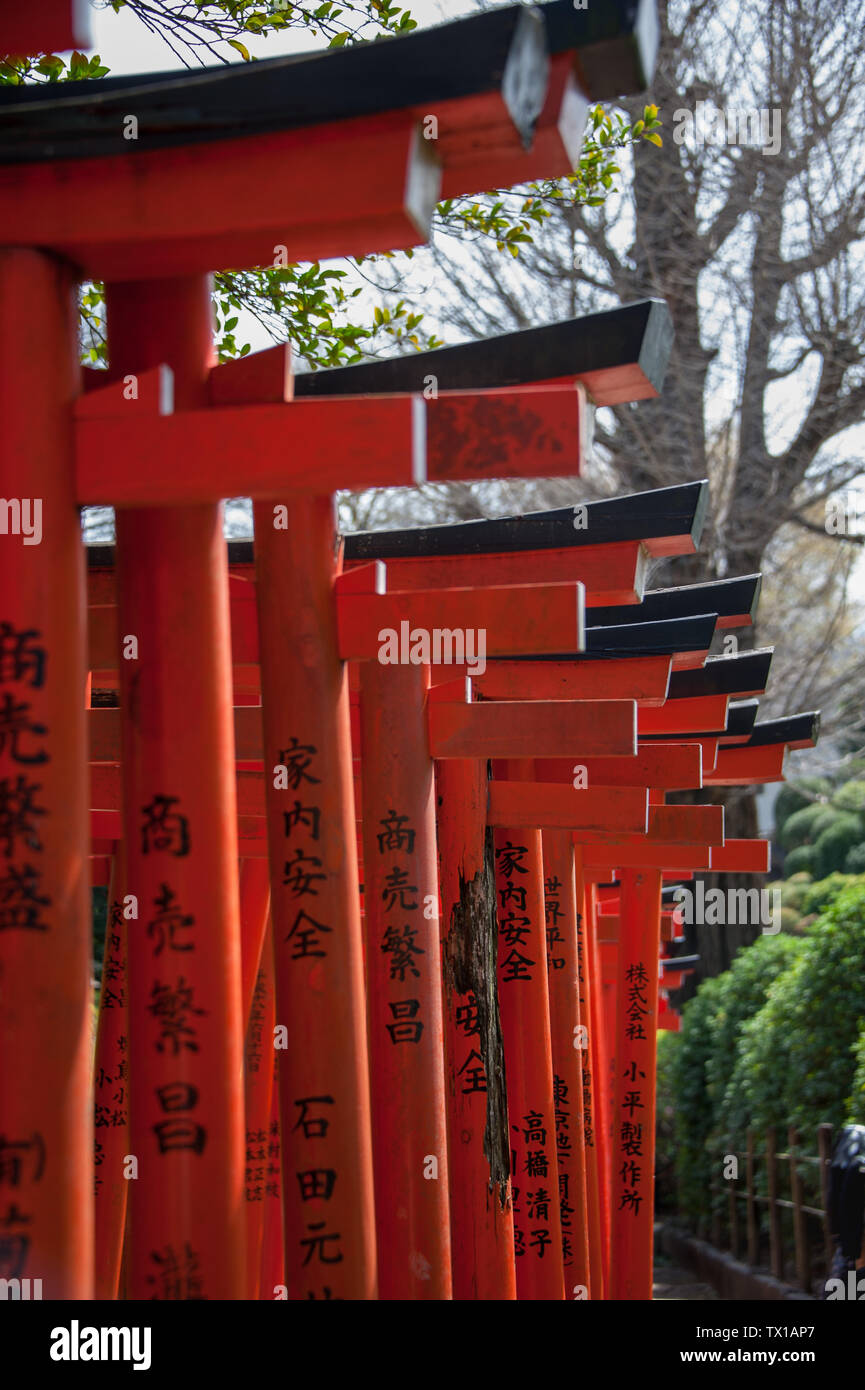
(778, 1039)
(856, 1101)
(795, 1063)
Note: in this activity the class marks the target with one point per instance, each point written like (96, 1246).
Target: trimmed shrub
(804, 826)
(855, 861)
(834, 844)
(856, 1103)
(665, 1132)
(790, 798)
(743, 993)
(795, 1062)
(694, 1115)
(823, 893)
(799, 861)
(850, 797)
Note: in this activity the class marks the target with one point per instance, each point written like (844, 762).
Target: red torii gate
(150, 212)
(525, 670)
(180, 740)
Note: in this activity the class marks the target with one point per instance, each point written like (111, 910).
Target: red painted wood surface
(569, 1039)
(156, 211)
(323, 1072)
(738, 766)
(272, 1274)
(673, 766)
(643, 678)
(254, 910)
(525, 1013)
(592, 1107)
(633, 1157)
(515, 729)
(603, 812)
(49, 27)
(605, 570)
(46, 1104)
(261, 1174)
(531, 617)
(318, 446)
(111, 1095)
(180, 822)
(482, 1219)
(700, 715)
(404, 988)
(741, 856)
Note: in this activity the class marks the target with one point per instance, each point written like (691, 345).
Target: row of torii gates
(382, 973)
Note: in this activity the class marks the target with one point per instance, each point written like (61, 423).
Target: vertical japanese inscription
(535, 1177)
(629, 1171)
(399, 943)
(23, 901)
(307, 940)
(23, 663)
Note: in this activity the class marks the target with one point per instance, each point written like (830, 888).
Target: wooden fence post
(824, 1149)
(776, 1249)
(752, 1217)
(800, 1234)
(734, 1219)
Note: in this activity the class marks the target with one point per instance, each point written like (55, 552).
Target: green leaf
(241, 49)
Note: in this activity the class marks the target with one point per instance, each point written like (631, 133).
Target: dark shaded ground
(674, 1283)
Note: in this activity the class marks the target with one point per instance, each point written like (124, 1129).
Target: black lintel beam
(691, 634)
(744, 674)
(729, 598)
(639, 639)
(500, 51)
(635, 339)
(615, 43)
(796, 730)
(649, 517)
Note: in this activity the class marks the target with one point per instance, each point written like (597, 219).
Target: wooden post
(733, 1199)
(524, 1002)
(569, 1035)
(326, 1140)
(800, 1233)
(180, 824)
(254, 910)
(824, 1149)
(591, 1114)
(603, 1084)
(111, 1098)
(634, 1152)
(776, 1248)
(716, 1201)
(272, 1276)
(753, 1221)
(482, 1219)
(46, 1102)
(406, 1029)
(261, 1172)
